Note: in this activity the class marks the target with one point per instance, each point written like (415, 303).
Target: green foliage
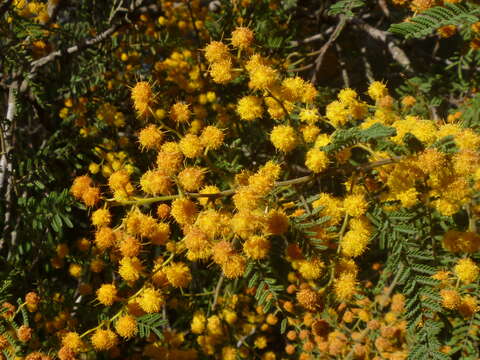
(345, 7)
(150, 323)
(431, 19)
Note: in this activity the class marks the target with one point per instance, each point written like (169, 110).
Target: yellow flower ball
(191, 146)
(107, 294)
(466, 270)
(126, 326)
(150, 137)
(284, 138)
(151, 300)
(242, 37)
(250, 108)
(178, 274)
(317, 160)
(104, 339)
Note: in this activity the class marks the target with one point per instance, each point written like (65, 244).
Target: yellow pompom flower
(101, 217)
(75, 270)
(466, 270)
(156, 182)
(309, 116)
(197, 244)
(191, 146)
(316, 160)
(130, 268)
(120, 184)
(73, 341)
(221, 71)
(151, 300)
(216, 51)
(150, 137)
(180, 113)
(347, 96)
(242, 37)
(169, 159)
(311, 269)
(337, 113)
(80, 185)
(191, 178)
(212, 137)
(104, 339)
(355, 205)
(377, 90)
(234, 267)
(178, 274)
(256, 247)
(450, 299)
(262, 77)
(354, 244)
(198, 323)
(184, 211)
(142, 96)
(284, 138)
(126, 326)
(345, 286)
(310, 133)
(222, 251)
(250, 108)
(107, 294)
(129, 246)
(104, 238)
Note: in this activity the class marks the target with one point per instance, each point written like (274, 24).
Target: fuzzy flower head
(242, 37)
(221, 71)
(355, 205)
(191, 146)
(377, 90)
(311, 269)
(151, 300)
(345, 286)
(216, 51)
(73, 341)
(104, 238)
(126, 326)
(284, 138)
(142, 96)
(184, 211)
(256, 247)
(104, 339)
(101, 217)
(191, 178)
(130, 268)
(250, 108)
(316, 160)
(235, 267)
(150, 137)
(309, 116)
(466, 270)
(212, 137)
(169, 158)
(180, 112)
(262, 77)
(156, 182)
(107, 294)
(178, 274)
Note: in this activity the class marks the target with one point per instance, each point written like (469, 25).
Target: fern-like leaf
(430, 20)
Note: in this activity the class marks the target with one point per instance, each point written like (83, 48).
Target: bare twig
(217, 291)
(397, 53)
(6, 165)
(323, 50)
(343, 66)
